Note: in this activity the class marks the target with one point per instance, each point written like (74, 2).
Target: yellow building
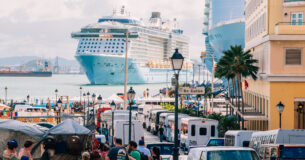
(275, 35)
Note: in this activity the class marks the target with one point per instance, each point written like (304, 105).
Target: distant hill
(19, 60)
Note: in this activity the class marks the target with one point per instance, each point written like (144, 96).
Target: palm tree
(236, 64)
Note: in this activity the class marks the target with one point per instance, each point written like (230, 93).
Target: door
(297, 18)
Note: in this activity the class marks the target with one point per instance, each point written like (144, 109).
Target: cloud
(43, 27)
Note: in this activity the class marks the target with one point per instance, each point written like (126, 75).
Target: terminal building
(275, 35)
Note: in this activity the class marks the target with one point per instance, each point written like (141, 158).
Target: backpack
(143, 156)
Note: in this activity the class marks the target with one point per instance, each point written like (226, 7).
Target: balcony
(207, 3)
(287, 28)
(206, 11)
(294, 3)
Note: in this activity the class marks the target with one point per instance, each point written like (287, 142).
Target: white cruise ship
(101, 49)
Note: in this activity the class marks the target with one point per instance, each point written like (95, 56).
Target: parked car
(46, 125)
(222, 153)
(286, 151)
(166, 149)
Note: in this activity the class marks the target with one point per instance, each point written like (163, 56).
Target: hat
(141, 142)
(12, 144)
(24, 158)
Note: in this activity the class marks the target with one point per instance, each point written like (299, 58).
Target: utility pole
(212, 89)
(126, 70)
(199, 66)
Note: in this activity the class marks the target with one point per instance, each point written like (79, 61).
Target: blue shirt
(144, 150)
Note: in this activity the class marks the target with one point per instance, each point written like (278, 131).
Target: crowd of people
(134, 151)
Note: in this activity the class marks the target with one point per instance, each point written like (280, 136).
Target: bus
(197, 131)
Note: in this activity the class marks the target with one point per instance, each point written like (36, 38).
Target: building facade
(275, 35)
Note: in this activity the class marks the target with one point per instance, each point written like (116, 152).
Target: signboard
(191, 90)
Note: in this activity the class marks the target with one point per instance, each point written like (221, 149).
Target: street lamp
(280, 107)
(93, 104)
(299, 110)
(177, 62)
(80, 94)
(88, 94)
(28, 98)
(227, 104)
(100, 100)
(113, 106)
(59, 107)
(5, 94)
(56, 91)
(160, 91)
(130, 95)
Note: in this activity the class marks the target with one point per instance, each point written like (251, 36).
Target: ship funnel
(155, 15)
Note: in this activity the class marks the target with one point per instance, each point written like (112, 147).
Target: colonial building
(275, 35)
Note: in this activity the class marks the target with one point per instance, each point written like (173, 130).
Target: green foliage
(225, 123)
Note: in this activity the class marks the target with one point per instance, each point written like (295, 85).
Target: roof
(17, 126)
(69, 126)
(223, 148)
(239, 131)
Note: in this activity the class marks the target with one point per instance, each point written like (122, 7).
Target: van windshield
(236, 155)
(293, 152)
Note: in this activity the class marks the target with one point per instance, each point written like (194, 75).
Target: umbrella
(69, 127)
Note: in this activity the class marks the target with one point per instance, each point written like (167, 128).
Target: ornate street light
(28, 98)
(131, 95)
(56, 92)
(93, 104)
(80, 94)
(58, 109)
(299, 110)
(99, 99)
(112, 106)
(5, 94)
(280, 107)
(177, 62)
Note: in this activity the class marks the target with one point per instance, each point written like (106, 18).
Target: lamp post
(113, 106)
(280, 107)
(5, 94)
(299, 110)
(130, 95)
(198, 100)
(28, 98)
(59, 107)
(93, 104)
(177, 62)
(56, 92)
(160, 91)
(227, 104)
(84, 103)
(88, 94)
(80, 94)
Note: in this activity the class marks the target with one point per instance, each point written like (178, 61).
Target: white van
(238, 138)
(163, 120)
(121, 130)
(146, 113)
(171, 126)
(154, 117)
(197, 131)
(278, 136)
(223, 153)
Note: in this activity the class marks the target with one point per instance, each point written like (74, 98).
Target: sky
(43, 27)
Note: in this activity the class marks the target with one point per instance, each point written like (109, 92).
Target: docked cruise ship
(102, 47)
(224, 26)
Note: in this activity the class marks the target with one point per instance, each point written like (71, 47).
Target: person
(118, 152)
(143, 149)
(11, 152)
(105, 151)
(26, 151)
(96, 155)
(155, 152)
(161, 132)
(85, 156)
(134, 153)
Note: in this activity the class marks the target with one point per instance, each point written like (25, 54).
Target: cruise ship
(102, 47)
(224, 25)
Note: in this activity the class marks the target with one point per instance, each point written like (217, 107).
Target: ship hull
(25, 74)
(221, 38)
(109, 70)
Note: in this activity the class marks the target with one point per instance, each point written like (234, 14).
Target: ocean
(67, 85)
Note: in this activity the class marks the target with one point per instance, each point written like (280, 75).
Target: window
(297, 18)
(203, 131)
(293, 57)
(213, 131)
(193, 130)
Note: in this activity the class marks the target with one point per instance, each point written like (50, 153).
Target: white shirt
(144, 150)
